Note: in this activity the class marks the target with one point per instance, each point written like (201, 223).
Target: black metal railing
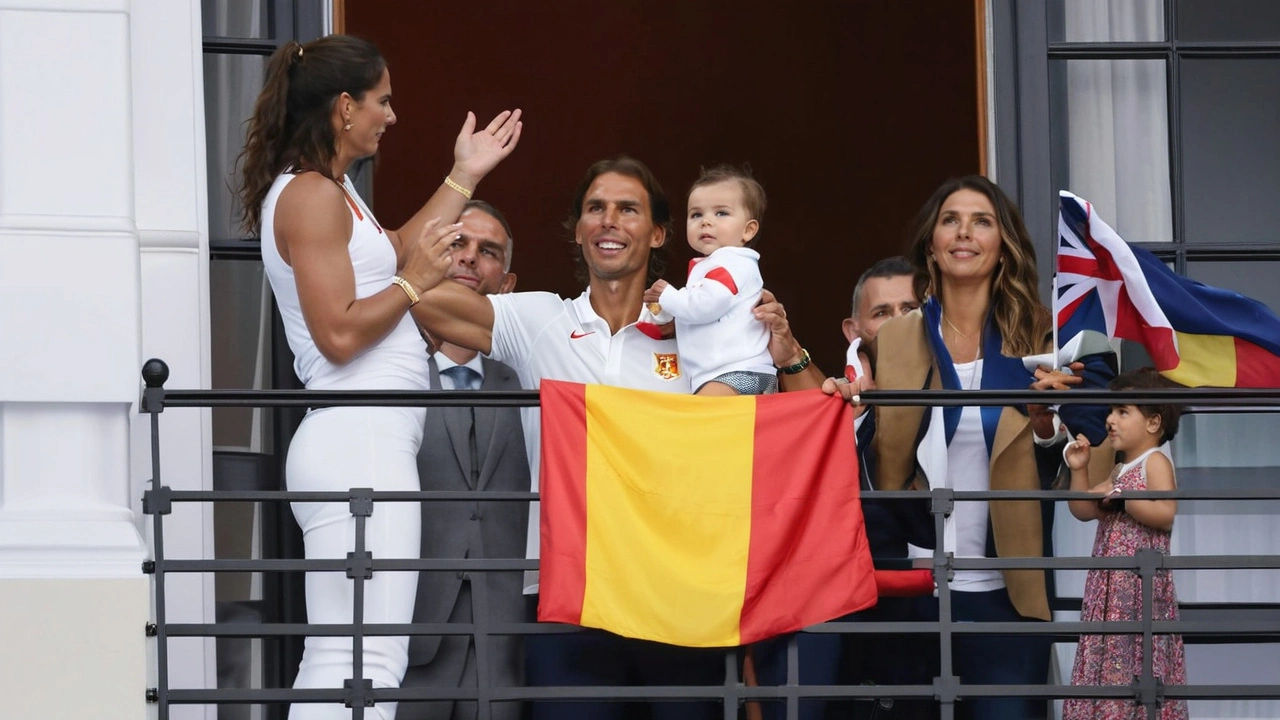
(946, 689)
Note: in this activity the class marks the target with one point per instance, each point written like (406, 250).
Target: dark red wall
(850, 113)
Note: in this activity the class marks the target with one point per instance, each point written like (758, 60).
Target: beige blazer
(1017, 524)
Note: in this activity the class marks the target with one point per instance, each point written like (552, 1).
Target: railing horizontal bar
(1201, 562)
(513, 496)
(679, 692)
(340, 565)
(1249, 631)
(270, 695)
(1182, 562)
(1266, 399)
(338, 496)
(351, 398)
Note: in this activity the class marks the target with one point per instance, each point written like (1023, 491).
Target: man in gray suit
(466, 448)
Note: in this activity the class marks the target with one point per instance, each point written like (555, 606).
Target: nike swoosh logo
(575, 334)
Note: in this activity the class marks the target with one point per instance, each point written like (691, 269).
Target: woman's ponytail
(266, 135)
(291, 124)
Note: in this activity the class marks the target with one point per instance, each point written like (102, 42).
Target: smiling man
(620, 221)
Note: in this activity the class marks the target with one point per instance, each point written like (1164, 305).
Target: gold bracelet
(407, 288)
(465, 192)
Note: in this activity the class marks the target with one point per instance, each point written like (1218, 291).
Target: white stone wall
(103, 263)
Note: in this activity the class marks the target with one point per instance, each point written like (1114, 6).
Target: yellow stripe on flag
(1204, 360)
(643, 509)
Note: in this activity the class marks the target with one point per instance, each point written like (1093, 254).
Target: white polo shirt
(542, 335)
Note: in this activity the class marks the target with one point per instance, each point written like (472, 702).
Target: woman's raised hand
(427, 259)
(475, 153)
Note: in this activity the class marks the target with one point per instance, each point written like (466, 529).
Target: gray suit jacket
(471, 529)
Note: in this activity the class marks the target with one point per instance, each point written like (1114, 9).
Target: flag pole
(1054, 289)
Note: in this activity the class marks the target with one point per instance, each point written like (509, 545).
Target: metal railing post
(359, 569)
(156, 502)
(947, 685)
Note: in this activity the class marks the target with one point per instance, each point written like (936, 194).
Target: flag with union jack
(1196, 335)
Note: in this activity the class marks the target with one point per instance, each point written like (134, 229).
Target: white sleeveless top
(399, 360)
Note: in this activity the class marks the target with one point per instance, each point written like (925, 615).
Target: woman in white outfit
(345, 286)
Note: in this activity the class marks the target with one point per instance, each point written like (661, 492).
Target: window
(1161, 113)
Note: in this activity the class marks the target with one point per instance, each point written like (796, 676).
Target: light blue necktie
(463, 377)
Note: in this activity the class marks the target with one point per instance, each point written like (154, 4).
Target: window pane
(1106, 20)
(1229, 450)
(240, 321)
(1230, 149)
(1227, 20)
(231, 85)
(1111, 142)
(234, 18)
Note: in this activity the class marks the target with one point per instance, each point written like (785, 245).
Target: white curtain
(1117, 123)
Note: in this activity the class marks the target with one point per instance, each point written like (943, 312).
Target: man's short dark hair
(890, 267)
(659, 211)
(496, 214)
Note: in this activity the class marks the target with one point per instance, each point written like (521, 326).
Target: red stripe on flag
(1255, 366)
(723, 277)
(563, 488)
(1157, 341)
(808, 560)
(1079, 265)
(1107, 269)
(1065, 313)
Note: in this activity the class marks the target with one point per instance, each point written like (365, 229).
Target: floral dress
(1116, 595)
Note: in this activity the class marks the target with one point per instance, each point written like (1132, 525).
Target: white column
(70, 552)
(69, 280)
(171, 200)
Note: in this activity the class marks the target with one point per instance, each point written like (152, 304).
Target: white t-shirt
(969, 469)
(542, 335)
(397, 361)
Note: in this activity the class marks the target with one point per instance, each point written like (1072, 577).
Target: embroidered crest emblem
(666, 365)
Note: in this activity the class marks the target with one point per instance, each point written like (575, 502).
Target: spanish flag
(699, 521)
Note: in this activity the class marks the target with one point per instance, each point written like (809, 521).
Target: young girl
(723, 346)
(1124, 527)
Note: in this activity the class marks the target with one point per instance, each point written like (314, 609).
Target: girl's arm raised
(1156, 513)
(1076, 455)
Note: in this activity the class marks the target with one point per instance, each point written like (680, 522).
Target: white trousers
(338, 449)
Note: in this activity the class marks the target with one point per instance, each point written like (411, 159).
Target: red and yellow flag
(699, 521)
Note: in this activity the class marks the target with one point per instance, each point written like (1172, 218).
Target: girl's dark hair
(290, 125)
(1015, 300)
(1148, 378)
(754, 200)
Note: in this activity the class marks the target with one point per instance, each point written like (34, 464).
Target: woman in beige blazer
(975, 267)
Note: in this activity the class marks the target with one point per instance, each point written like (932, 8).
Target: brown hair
(1022, 319)
(659, 211)
(1147, 378)
(290, 126)
(753, 197)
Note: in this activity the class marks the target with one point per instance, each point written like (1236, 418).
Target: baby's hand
(655, 292)
(1076, 453)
